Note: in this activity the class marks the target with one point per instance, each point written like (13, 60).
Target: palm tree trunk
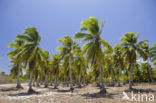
(51, 79)
(80, 77)
(124, 78)
(84, 81)
(131, 76)
(37, 82)
(30, 83)
(102, 89)
(64, 79)
(34, 82)
(46, 81)
(41, 80)
(71, 84)
(112, 76)
(97, 82)
(67, 81)
(55, 83)
(18, 79)
(119, 78)
(149, 72)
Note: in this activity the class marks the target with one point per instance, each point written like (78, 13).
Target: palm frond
(105, 44)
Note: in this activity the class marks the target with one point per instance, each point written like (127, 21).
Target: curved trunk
(131, 76)
(119, 78)
(102, 89)
(18, 79)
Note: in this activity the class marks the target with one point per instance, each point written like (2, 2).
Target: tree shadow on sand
(9, 89)
(98, 95)
(63, 91)
(23, 94)
(80, 87)
(140, 90)
(53, 89)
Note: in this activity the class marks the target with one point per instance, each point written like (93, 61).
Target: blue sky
(56, 18)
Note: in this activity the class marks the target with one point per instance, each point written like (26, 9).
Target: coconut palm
(51, 71)
(65, 69)
(79, 64)
(35, 76)
(68, 50)
(56, 60)
(93, 48)
(109, 59)
(31, 53)
(118, 59)
(12, 55)
(36, 72)
(95, 72)
(145, 47)
(153, 53)
(46, 67)
(84, 74)
(16, 72)
(130, 49)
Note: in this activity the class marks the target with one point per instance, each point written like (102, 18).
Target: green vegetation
(2, 73)
(95, 62)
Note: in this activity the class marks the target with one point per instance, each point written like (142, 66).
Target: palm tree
(56, 67)
(145, 47)
(37, 72)
(16, 71)
(31, 52)
(95, 72)
(51, 71)
(130, 49)
(109, 58)
(79, 64)
(46, 67)
(12, 55)
(35, 75)
(65, 69)
(93, 48)
(68, 50)
(153, 53)
(118, 59)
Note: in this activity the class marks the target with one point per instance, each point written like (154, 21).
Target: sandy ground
(87, 94)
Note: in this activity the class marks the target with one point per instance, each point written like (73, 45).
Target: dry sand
(87, 94)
